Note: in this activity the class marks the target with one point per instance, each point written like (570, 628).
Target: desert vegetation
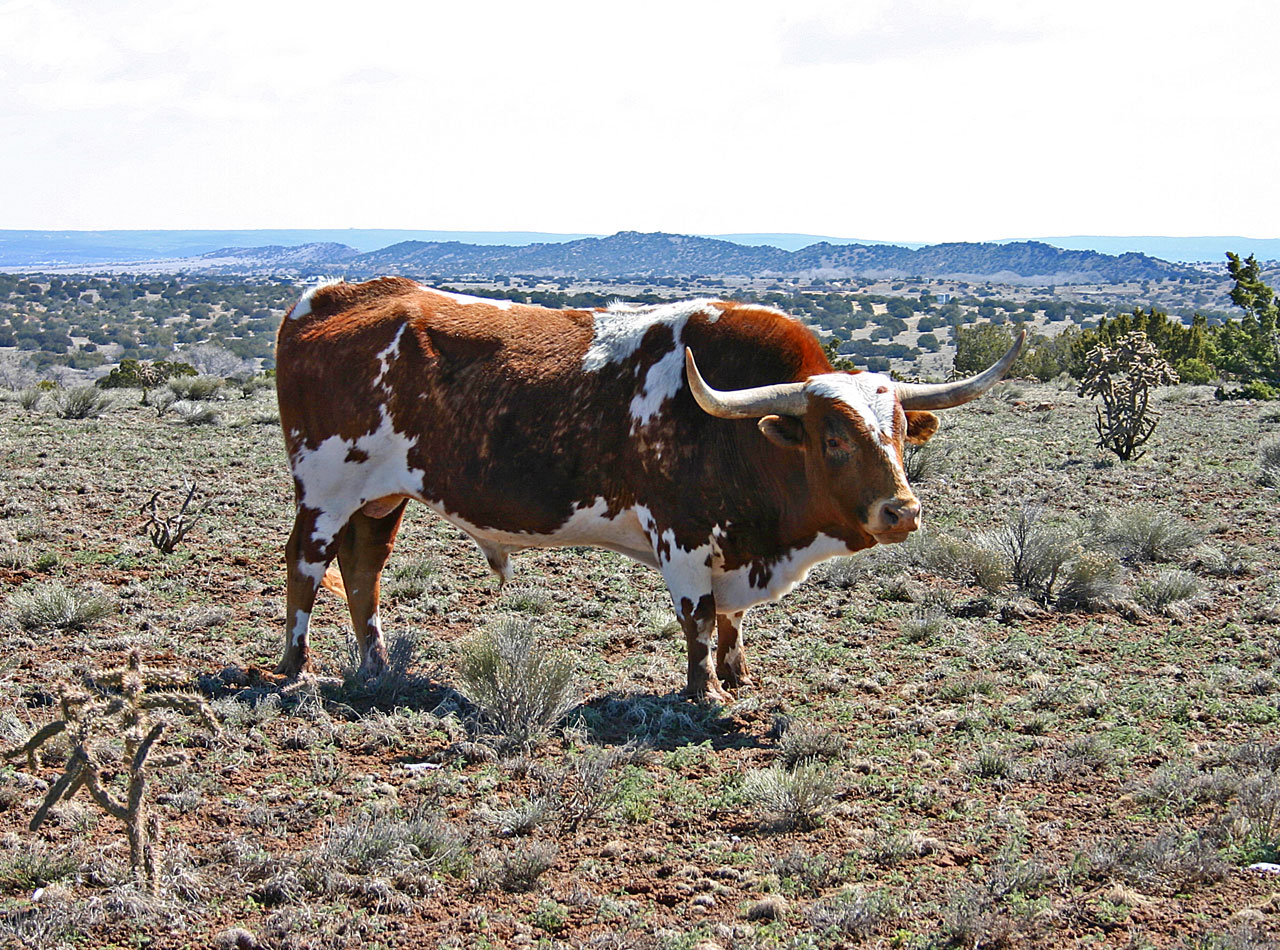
(1050, 719)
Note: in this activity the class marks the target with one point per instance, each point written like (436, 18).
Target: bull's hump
(618, 331)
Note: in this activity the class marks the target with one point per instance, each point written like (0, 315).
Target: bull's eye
(833, 444)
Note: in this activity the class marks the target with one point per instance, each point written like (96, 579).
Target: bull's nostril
(890, 515)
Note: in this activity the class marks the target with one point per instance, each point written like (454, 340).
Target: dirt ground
(922, 760)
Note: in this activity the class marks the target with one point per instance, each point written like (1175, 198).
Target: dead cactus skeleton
(116, 703)
(167, 533)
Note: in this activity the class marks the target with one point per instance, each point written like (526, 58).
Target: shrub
(925, 462)
(384, 844)
(29, 398)
(81, 402)
(1143, 533)
(519, 687)
(55, 607)
(1269, 462)
(792, 798)
(1033, 550)
(196, 388)
(809, 742)
(517, 869)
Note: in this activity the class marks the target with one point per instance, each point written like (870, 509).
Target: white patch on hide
(299, 632)
(336, 488)
(618, 332)
(468, 300)
(386, 356)
(588, 525)
(303, 307)
(734, 590)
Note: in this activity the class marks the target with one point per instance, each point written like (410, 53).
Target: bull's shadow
(663, 722)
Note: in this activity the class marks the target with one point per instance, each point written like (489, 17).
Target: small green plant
(518, 686)
(1123, 377)
(117, 706)
(81, 402)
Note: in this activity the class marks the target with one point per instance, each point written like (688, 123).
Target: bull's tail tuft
(333, 580)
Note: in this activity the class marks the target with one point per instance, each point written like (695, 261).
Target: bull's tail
(333, 580)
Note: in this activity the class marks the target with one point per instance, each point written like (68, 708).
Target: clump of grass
(854, 916)
(809, 742)
(1172, 591)
(420, 842)
(926, 624)
(799, 869)
(526, 599)
(196, 388)
(798, 798)
(517, 869)
(1092, 581)
(1269, 462)
(81, 402)
(54, 606)
(1143, 533)
(1167, 864)
(519, 687)
(193, 413)
(29, 399)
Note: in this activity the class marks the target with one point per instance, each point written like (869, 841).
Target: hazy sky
(893, 120)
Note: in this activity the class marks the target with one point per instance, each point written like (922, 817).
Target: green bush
(81, 402)
(518, 686)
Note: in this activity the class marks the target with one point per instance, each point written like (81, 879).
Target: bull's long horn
(782, 399)
(957, 393)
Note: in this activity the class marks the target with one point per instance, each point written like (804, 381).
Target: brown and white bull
(529, 427)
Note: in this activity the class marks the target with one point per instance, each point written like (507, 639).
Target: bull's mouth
(893, 536)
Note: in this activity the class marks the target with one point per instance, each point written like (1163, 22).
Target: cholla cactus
(1123, 377)
(117, 705)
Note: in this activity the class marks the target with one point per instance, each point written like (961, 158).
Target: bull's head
(851, 429)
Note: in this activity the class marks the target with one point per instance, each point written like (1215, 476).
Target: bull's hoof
(734, 679)
(708, 693)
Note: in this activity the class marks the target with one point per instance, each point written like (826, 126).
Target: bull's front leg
(688, 579)
(731, 663)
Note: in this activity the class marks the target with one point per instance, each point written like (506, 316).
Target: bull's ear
(921, 426)
(784, 431)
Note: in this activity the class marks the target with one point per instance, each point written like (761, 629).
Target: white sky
(883, 119)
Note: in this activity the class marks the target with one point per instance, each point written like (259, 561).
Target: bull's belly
(588, 526)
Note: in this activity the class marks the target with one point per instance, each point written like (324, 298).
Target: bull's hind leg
(731, 664)
(306, 558)
(362, 554)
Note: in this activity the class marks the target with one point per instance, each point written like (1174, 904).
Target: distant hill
(632, 254)
(69, 248)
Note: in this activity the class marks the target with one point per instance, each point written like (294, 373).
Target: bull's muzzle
(895, 518)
